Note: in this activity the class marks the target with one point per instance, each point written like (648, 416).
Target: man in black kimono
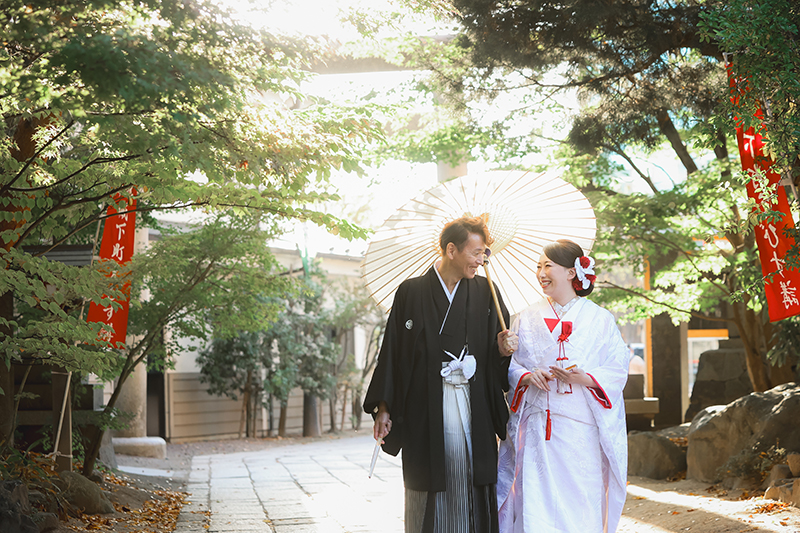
(437, 390)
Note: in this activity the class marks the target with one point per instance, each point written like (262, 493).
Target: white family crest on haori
(524, 211)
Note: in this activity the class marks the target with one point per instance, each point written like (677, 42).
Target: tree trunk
(778, 375)
(721, 152)
(93, 450)
(671, 133)
(356, 401)
(252, 425)
(270, 417)
(7, 376)
(23, 148)
(747, 324)
(332, 411)
(282, 420)
(243, 417)
(344, 406)
(310, 416)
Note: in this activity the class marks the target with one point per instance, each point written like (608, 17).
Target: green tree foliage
(352, 308)
(763, 42)
(175, 100)
(295, 348)
(647, 79)
(232, 367)
(301, 336)
(211, 282)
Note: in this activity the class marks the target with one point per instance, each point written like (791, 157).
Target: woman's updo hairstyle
(564, 252)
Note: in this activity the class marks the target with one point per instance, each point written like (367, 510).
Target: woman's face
(556, 280)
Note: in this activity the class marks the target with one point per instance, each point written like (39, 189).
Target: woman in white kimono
(563, 466)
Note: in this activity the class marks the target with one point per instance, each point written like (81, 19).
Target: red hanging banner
(781, 285)
(117, 245)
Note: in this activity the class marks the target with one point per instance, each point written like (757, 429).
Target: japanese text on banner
(781, 285)
(117, 245)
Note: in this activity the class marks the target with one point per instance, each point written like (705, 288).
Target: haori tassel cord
(548, 426)
(566, 331)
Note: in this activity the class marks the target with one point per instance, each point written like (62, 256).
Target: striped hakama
(462, 508)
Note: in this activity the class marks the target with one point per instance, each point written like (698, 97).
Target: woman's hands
(540, 379)
(537, 378)
(574, 376)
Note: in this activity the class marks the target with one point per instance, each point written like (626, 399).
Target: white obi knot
(465, 363)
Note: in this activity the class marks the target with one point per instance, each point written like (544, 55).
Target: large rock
(721, 377)
(46, 522)
(793, 462)
(787, 492)
(751, 424)
(795, 500)
(84, 494)
(777, 476)
(654, 456)
(781, 491)
(14, 508)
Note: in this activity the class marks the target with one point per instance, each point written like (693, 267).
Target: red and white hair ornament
(584, 273)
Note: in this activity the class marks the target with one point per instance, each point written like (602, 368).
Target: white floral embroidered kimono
(575, 480)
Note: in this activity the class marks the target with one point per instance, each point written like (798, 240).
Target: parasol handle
(494, 294)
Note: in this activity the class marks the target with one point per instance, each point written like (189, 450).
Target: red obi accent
(519, 393)
(551, 323)
(599, 394)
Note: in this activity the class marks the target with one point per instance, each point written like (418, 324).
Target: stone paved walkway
(323, 487)
(317, 487)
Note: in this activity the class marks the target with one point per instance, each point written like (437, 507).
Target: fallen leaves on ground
(771, 507)
(158, 514)
(677, 477)
(683, 442)
(717, 491)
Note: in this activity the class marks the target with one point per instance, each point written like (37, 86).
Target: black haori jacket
(407, 377)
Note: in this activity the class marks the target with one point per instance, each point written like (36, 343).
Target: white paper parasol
(525, 211)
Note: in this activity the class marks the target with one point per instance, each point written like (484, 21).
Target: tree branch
(59, 207)
(671, 133)
(6, 187)
(669, 306)
(620, 152)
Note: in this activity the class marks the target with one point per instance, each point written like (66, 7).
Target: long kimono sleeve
(501, 361)
(608, 409)
(497, 380)
(612, 372)
(384, 379)
(516, 370)
(521, 361)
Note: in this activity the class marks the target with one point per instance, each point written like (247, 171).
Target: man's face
(470, 257)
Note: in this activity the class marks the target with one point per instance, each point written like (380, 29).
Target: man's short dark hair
(458, 232)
